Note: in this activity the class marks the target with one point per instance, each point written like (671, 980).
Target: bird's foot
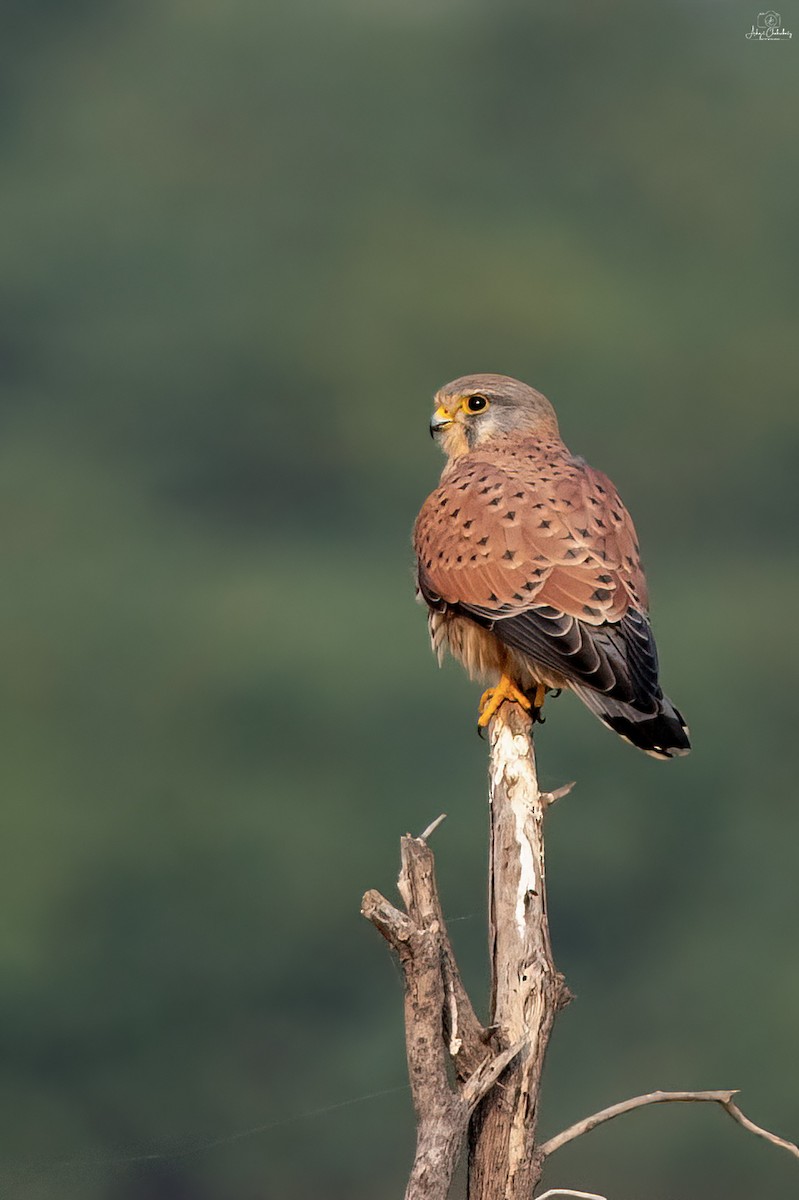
(490, 700)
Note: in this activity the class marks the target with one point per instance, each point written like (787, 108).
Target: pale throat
(453, 440)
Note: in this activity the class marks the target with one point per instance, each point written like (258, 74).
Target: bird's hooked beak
(439, 420)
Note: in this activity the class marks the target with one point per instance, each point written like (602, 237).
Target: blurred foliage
(242, 244)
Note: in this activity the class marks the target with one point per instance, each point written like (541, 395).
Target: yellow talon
(506, 689)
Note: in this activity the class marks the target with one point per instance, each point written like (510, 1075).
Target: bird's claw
(492, 698)
(537, 705)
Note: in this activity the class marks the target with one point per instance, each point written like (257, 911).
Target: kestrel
(529, 565)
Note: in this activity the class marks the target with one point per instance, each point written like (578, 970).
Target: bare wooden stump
(527, 990)
(454, 1062)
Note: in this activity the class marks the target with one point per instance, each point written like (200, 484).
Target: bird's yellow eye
(475, 404)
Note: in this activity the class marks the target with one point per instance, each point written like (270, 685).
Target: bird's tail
(661, 733)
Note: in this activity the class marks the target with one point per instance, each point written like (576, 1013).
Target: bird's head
(478, 408)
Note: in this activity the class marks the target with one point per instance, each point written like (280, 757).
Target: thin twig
(550, 798)
(738, 1116)
(724, 1098)
(432, 827)
(569, 1192)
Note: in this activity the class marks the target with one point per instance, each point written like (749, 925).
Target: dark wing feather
(619, 659)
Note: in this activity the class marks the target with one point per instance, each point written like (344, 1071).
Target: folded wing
(544, 554)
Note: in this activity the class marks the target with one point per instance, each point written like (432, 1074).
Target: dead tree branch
(440, 1023)
(464, 1076)
(527, 990)
(569, 1192)
(724, 1098)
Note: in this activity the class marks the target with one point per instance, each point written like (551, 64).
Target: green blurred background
(242, 244)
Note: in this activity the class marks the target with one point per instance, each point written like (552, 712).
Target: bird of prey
(529, 565)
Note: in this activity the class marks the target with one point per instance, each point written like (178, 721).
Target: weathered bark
(440, 1024)
(527, 990)
(453, 1061)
